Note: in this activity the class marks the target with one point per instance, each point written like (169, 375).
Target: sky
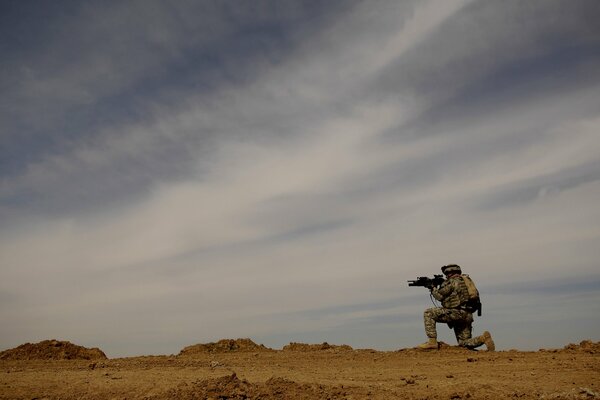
(174, 173)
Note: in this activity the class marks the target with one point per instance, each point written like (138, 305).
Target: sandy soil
(317, 372)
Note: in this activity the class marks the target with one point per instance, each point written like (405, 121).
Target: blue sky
(180, 172)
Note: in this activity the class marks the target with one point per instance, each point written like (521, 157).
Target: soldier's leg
(429, 321)
(463, 329)
(430, 317)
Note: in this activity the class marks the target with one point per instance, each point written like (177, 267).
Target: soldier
(454, 295)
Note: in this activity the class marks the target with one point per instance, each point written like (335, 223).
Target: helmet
(451, 268)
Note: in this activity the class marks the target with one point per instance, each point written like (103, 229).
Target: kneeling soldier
(455, 311)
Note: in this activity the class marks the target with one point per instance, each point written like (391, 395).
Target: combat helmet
(451, 268)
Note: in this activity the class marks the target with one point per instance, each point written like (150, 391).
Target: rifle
(429, 283)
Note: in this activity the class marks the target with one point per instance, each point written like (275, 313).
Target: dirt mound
(223, 346)
(316, 347)
(52, 350)
(585, 346)
(232, 388)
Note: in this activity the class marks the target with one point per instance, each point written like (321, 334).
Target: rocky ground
(240, 369)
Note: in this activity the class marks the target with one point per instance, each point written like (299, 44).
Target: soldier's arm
(443, 291)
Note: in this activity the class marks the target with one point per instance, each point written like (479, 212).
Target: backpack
(473, 303)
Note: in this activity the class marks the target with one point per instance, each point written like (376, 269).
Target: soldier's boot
(488, 341)
(431, 344)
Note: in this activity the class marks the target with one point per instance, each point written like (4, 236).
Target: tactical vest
(459, 295)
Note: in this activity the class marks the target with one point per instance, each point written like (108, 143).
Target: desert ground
(241, 369)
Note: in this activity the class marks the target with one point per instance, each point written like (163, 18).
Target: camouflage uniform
(452, 293)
